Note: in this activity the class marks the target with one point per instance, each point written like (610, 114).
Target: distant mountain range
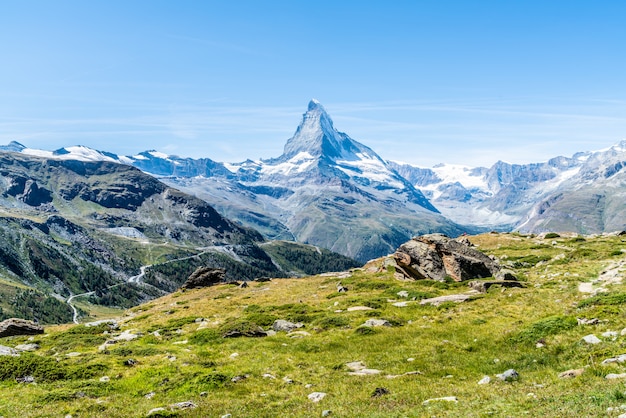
(329, 190)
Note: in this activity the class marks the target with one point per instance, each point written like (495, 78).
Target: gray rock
(591, 339)
(316, 396)
(484, 381)
(403, 294)
(283, 325)
(568, 374)
(377, 323)
(435, 256)
(508, 376)
(204, 277)
(615, 376)
(483, 285)
(327, 413)
(8, 351)
(155, 410)
(15, 326)
(27, 347)
(184, 405)
(447, 298)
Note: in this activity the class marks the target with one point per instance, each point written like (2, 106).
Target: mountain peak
(317, 137)
(314, 104)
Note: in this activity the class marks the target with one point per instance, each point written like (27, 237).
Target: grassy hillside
(180, 353)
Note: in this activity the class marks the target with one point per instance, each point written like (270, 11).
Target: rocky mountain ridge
(329, 190)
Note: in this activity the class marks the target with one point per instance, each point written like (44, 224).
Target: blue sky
(467, 82)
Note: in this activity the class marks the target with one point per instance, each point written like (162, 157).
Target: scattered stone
(485, 380)
(410, 359)
(444, 399)
(283, 325)
(288, 380)
(377, 323)
(234, 355)
(610, 334)
(27, 347)
(355, 365)
(127, 336)
(585, 321)
(112, 323)
(15, 326)
(615, 376)
(316, 396)
(105, 379)
(73, 354)
(403, 294)
(326, 413)
(508, 376)
(239, 378)
(243, 285)
(483, 286)
(8, 351)
(448, 298)
(155, 410)
(184, 405)
(591, 339)
(171, 358)
(365, 372)
(308, 386)
(227, 416)
(569, 374)
(298, 334)
(204, 277)
(618, 359)
(25, 379)
(540, 345)
(268, 376)
(149, 395)
(359, 308)
(130, 362)
(341, 289)
(380, 392)
(400, 304)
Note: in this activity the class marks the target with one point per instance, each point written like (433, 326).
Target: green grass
(452, 346)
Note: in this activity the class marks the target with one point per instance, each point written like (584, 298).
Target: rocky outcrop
(204, 277)
(14, 326)
(437, 257)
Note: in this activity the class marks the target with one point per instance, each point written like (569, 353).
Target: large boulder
(204, 277)
(15, 326)
(436, 256)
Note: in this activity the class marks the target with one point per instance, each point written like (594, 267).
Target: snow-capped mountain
(498, 197)
(325, 189)
(330, 190)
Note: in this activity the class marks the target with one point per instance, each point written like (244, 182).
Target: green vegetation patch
(604, 300)
(538, 330)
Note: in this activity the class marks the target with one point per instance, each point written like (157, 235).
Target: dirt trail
(613, 274)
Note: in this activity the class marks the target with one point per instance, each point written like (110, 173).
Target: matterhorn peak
(316, 135)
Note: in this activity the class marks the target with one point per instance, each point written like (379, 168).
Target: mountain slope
(70, 227)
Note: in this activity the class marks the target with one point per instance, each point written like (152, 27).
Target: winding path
(136, 279)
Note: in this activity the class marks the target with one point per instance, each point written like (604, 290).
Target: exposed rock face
(204, 277)
(435, 256)
(14, 326)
